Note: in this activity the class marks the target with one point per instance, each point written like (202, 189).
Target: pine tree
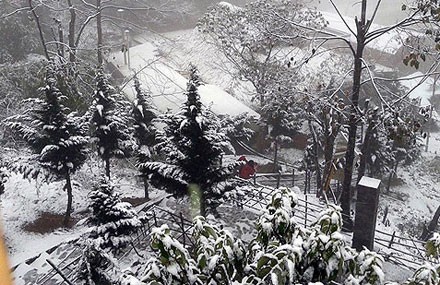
(143, 114)
(193, 149)
(3, 179)
(110, 123)
(56, 137)
(114, 220)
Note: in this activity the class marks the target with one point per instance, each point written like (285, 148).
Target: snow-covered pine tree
(110, 131)
(3, 179)
(114, 220)
(193, 147)
(143, 114)
(57, 138)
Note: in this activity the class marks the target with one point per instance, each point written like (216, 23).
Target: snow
(421, 91)
(24, 201)
(369, 182)
(167, 86)
(389, 42)
(229, 6)
(99, 108)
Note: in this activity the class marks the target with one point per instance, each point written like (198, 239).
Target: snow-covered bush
(282, 252)
(237, 127)
(426, 275)
(96, 267)
(175, 264)
(433, 246)
(114, 221)
(220, 256)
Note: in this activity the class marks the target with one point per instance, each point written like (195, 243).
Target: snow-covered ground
(24, 201)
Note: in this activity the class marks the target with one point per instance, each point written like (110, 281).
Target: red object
(247, 171)
(242, 158)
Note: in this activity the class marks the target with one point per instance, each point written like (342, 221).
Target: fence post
(385, 214)
(305, 212)
(255, 178)
(278, 179)
(183, 229)
(293, 176)
(305, 182)
(392, 239)
(154, 217)
(366, 213)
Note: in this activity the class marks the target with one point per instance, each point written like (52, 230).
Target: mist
(389, 12)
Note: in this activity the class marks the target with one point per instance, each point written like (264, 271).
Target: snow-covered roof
(422, 90)
(229, 6)
(167, 86)
(389, 42)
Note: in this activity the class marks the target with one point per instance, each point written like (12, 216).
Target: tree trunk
(61, 40)
(275, 156)
(72, 47)
(427, 232)
(317, 167)
(351, 145)
(328, 154)
(40, 29)
(145, 178)
(365, 151)
(68, 188)
(99, 31)
(107, 167)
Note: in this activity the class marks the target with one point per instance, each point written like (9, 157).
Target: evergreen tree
(193, 149)
(114, 220)
(3, 179)
(144, 131)
(110, 122)
(56, 137)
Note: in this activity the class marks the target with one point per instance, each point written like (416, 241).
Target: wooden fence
(403, 251)
(63, 271)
